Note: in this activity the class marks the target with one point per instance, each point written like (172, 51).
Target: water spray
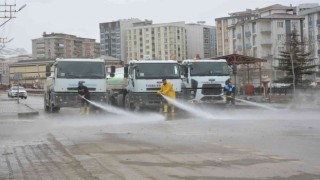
(119, 111)
(188, 108)
(109, 108)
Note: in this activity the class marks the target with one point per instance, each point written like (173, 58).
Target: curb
(28, 114)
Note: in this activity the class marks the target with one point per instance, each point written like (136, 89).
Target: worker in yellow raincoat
(167, 90)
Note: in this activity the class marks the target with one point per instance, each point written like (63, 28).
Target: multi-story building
(259, 33)
(4, 72)
(200, 40)
(157, 41)
(223, 25)
(214, 41)
(113, 41)
(58, 45)
(312, 30)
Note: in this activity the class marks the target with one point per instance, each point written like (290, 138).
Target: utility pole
(7, 12)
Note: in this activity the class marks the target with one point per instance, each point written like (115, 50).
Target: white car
(13, 92)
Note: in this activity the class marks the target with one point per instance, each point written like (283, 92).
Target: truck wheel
(51, 108)
(120, 102)
(45, 106)
(127, 104)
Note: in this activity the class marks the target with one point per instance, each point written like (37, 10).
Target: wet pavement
(11, 107)
(236, 144)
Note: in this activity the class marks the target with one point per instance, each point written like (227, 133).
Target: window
(280, 24)
(254, 27)
(280, 37)
(280, 49)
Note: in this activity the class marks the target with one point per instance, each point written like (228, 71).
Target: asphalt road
(236, 144)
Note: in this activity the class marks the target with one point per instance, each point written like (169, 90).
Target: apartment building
(223, 25)
(200, 40)
(59, 45)
(157, 41)
(113, 39)
(214, 41)
(4, 72)
(311, 15)
(260, 33)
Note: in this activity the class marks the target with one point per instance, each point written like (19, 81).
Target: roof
(81, 60)
(240, 59)
(275, 7)
(282, 16)
(202, 60)
(153, 61)
(310, 11)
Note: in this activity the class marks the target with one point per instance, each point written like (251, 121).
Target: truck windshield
(209, 69)
(157, 71)
(83, 70)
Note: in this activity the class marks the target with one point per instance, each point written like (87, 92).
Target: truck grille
(154, 99)
(76, 89)
(211, 89)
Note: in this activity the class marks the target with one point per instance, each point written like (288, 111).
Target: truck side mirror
(113, 71)
(48, 70)
(126, 72)
(186, 72)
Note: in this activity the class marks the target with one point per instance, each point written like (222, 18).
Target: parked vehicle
(140, 83)
(203, 80)
(61, 87)
(15, 91)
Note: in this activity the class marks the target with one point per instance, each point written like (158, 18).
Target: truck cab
(144, 79)
(61, 87)
(203, 80)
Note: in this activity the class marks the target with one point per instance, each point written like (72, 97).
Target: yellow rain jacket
(168, 90)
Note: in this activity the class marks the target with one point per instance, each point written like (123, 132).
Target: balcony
(58, 47)
(248, 34)
(58, 52)
(248, 46)
(267, 56)
(265, 30)
(266, 42)
(239, 48)
(238, 36)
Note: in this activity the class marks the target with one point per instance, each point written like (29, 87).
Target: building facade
(200, 41)
(113, 40)
(157, 41)
(33, 72)
(260, 33)
(58, 45)
(214, 41)
(4, 72)
(312, 31)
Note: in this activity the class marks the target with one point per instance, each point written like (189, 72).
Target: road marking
(297, 162)
(276, 157)
(259, 153)
(242, 150)
(227, 146)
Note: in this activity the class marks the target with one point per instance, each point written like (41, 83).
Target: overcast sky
(82, 17)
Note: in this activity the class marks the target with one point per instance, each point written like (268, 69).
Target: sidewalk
(10, 107)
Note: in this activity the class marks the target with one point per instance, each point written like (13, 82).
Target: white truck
(142, 80)
(204, 80)
(61, 87)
